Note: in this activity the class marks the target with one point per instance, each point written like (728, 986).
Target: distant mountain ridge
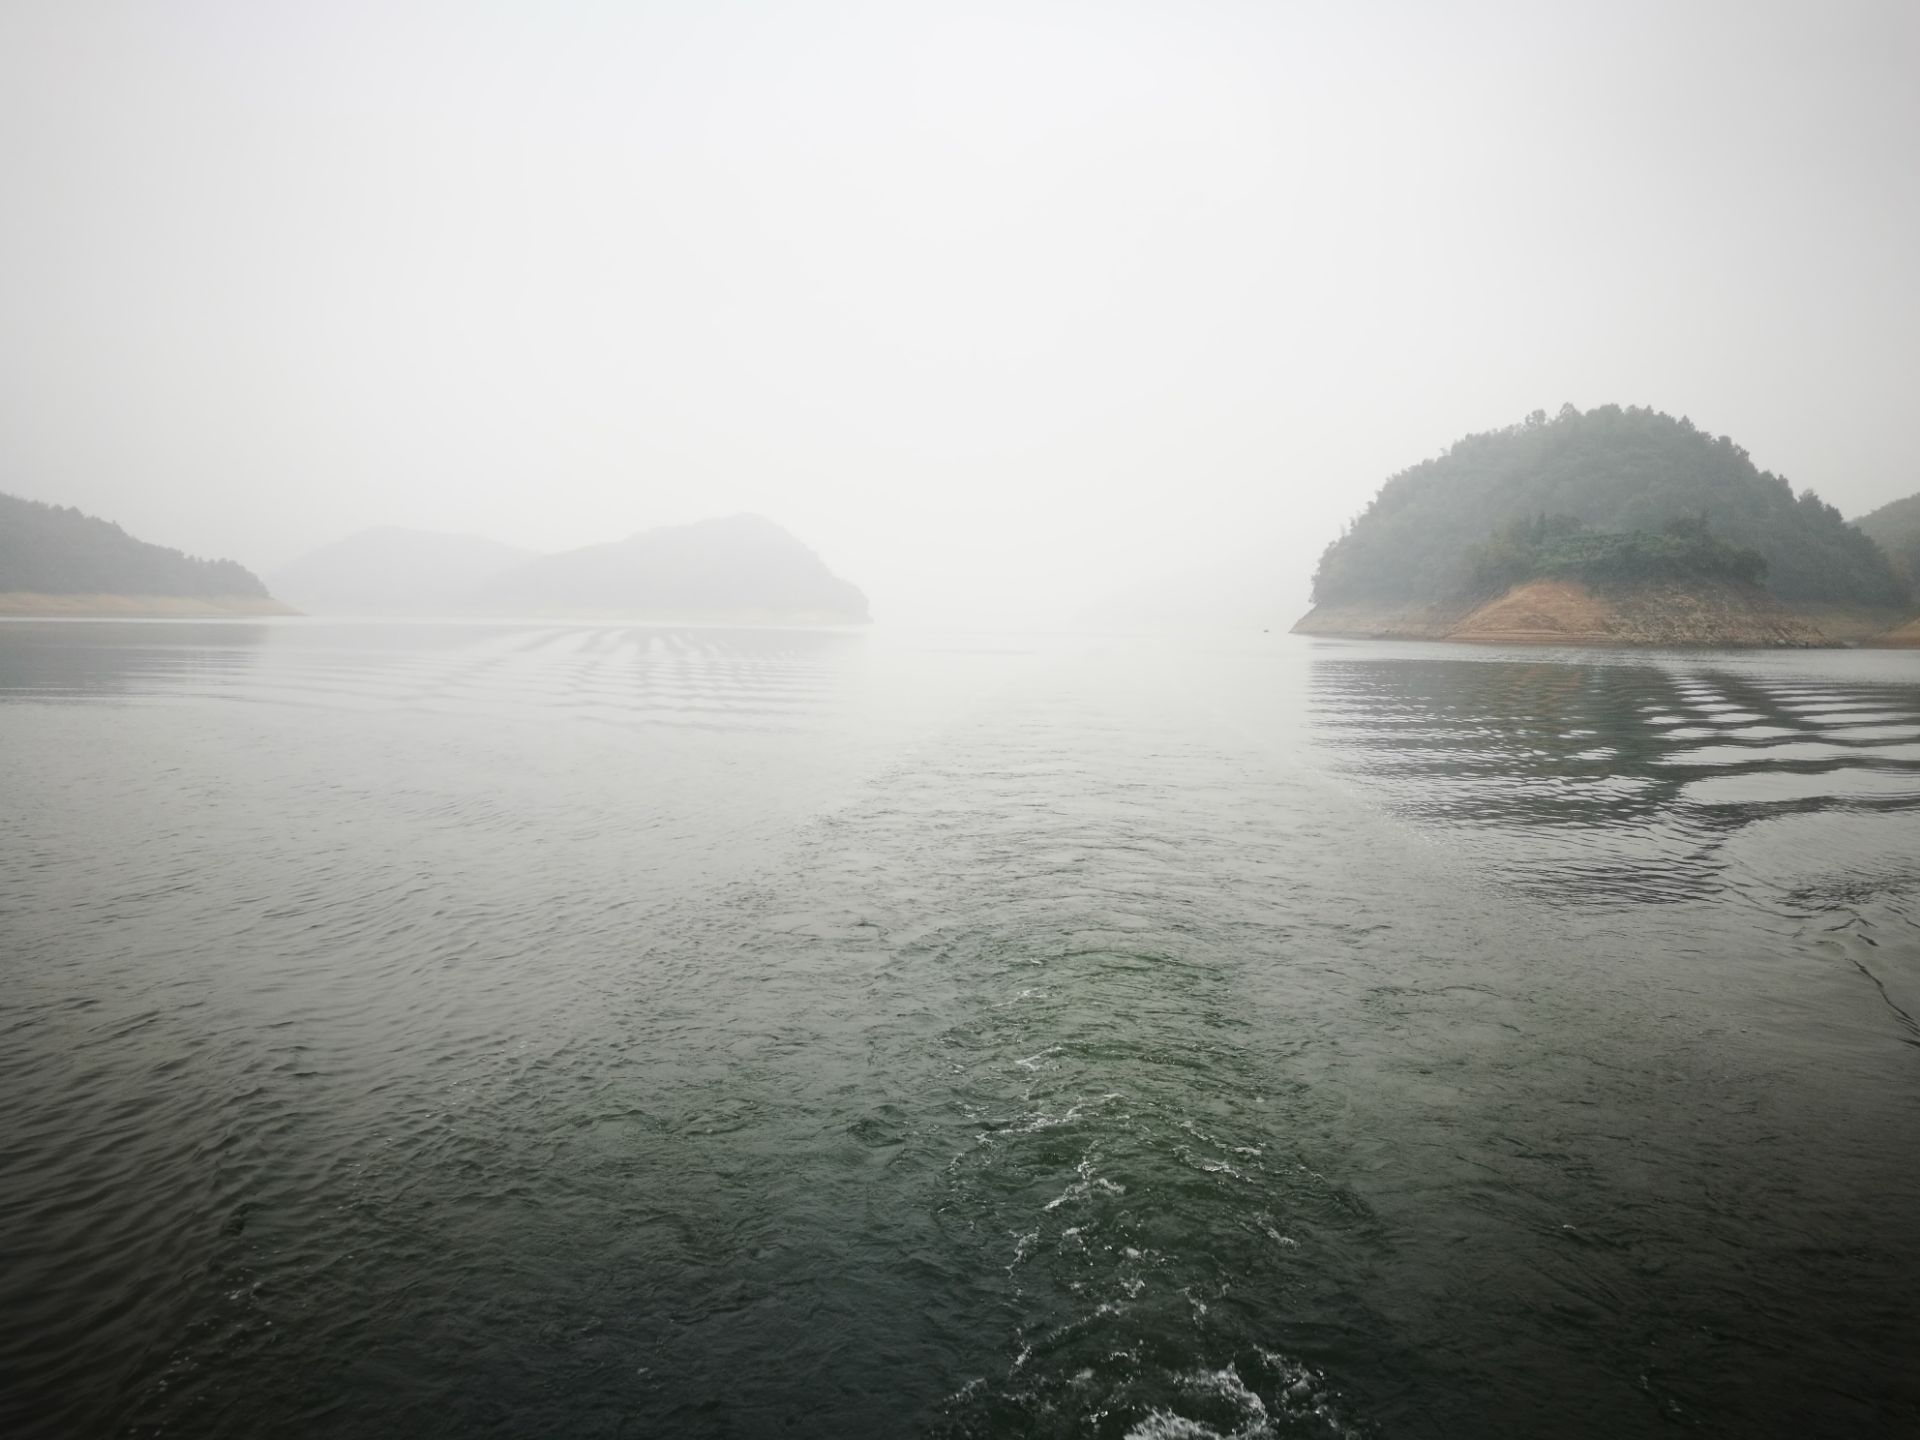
(388, 570)
(54, 558)
(740, 567)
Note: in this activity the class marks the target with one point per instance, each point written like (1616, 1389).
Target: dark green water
(544, 1031)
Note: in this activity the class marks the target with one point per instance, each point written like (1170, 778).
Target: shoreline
(1713, 615)
(38, 605)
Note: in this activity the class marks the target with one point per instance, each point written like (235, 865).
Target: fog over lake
(1000, 307)
(578, 1030)
(959, 719)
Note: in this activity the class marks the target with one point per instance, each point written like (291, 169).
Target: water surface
(537, 1030)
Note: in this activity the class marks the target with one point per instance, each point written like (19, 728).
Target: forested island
(55, 560)
(739, 569)
(1616, 525)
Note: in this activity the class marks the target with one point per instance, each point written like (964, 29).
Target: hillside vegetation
(1558, 547)
(57, 550)
(1609, 495)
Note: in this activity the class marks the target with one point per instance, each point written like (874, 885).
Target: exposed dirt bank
(1712, 614)
(1902, 637)
(1857, 624)
(1563, 612)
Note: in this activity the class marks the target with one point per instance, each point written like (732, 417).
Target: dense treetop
(56, 550)
(1561, 548)
(1610, 470)
(1895, 528)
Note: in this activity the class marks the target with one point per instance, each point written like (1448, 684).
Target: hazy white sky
(993, 304)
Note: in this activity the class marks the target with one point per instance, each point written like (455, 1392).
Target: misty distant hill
(740, 568)
(1621, 492)
(391, 571)
(1895, 528)
(57, 551)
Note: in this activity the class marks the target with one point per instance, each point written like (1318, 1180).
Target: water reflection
(1610, 778)
(101, 659)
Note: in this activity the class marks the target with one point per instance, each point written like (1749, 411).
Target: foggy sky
(996, 305)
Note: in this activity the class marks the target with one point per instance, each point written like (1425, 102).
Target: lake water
(543, 1030)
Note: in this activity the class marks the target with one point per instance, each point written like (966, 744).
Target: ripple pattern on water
(610, 1030)
(1690, 756)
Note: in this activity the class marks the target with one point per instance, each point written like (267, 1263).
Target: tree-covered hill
(56, 550)
(1611, 470)
(1895, 528)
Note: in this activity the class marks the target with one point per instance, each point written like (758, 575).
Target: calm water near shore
(623, 1031)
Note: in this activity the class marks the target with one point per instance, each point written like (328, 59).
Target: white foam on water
(1226, 1384)
(1088, 1184)
(1165, 1425)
